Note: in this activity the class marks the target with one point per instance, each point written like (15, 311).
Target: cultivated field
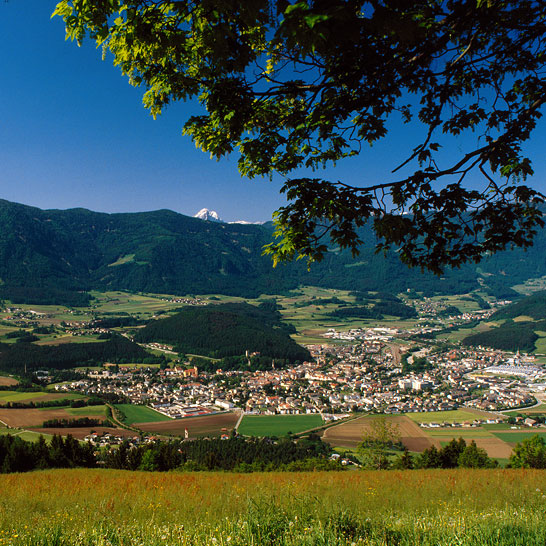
(140, 414)
(81, 432)
(208, 425)
(32, 418)
(7, 381)
(277, 425)
(350, 434)
(453, 416)
(13, 396)
(497, 440)
(412, 508)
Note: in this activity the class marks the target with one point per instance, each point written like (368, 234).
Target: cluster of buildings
(370, 375)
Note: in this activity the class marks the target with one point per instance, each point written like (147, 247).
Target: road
(240, 419)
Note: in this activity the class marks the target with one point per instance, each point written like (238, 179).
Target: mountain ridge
(56, 251)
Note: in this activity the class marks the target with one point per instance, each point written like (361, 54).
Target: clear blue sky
(74, 134)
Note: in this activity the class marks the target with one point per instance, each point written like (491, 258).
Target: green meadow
(140, 414)
(453, 416)
(277, 425)
(397, 508)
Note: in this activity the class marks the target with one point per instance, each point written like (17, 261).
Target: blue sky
(74, 134)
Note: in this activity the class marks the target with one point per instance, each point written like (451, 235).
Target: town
(372, 375)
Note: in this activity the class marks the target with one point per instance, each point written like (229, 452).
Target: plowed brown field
(80, 433)
(208, 425)
(350, 434)
(494, 447)
(27, 418)
(7, 381)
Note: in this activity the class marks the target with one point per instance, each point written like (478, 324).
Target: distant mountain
(54, 256)
(208, 215)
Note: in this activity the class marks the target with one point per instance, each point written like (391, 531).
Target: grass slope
(412, 508)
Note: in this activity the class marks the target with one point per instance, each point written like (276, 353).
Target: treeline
(17, 455)
(116, 322)
(376, 311)
(94, 401)
(83, 422)
(219, 331)
(230, 363)
(361, 297)
(235, 454)
(450, 310)
(356, 312)
(455, 454)
(15, 357)
(319, 301)
(510, 336)
(44, 295)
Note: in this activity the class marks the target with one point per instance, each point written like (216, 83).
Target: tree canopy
(293, 86)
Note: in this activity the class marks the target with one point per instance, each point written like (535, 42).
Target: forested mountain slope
(51, 256)
(226, 330)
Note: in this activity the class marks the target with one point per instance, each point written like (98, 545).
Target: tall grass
(116, 508)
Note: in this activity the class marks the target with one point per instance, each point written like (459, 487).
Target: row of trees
(455, 454)
(247, 455)
(16, 455)
(80, 422)
(15, 357)
(234, 454)
(382, 440)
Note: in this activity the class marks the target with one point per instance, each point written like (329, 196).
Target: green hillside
(55, 257)
(14, 358)
(511, 336)
(533, 306)
(226, 330)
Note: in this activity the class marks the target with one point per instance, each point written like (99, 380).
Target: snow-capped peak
(209, 215)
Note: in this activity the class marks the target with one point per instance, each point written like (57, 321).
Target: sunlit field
(108, 507)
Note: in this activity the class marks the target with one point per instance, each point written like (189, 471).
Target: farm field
(515, 436)
(125, 302)
(80, 432)
(86, 411)
(350, 434)
(453, 416)
(541, 409)
(277, 425)
(32, 418)
(411, 508)
(27, 435)
(208, 425)
(13, 396)
(140, 414)
(497, 442)
(459, 432)
(62, 340)
(7, 381)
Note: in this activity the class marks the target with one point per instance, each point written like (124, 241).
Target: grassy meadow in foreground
(102, 507)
